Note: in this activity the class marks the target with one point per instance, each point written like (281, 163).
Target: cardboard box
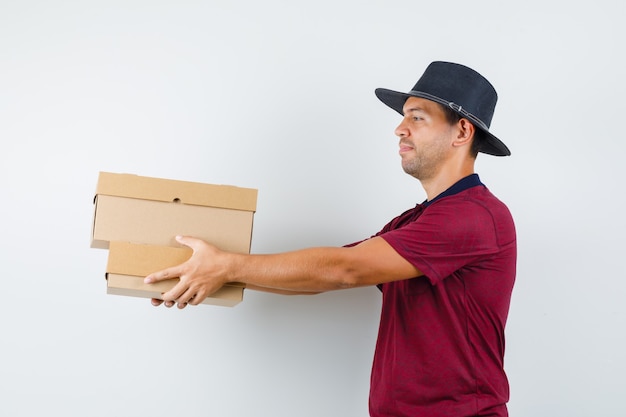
(129, 263)
(137, 218)
(153, 211)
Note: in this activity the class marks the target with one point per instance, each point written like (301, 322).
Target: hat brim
(395, 100)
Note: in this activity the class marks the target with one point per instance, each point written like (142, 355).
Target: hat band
(457, 108)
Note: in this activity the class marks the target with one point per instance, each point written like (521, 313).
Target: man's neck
(444, 180)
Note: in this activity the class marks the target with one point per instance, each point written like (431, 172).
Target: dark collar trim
(463, 184)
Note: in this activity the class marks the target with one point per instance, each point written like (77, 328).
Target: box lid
(186, 192)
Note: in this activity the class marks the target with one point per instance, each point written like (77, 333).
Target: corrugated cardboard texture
(128, 264)
(158, 222)
(153, 210)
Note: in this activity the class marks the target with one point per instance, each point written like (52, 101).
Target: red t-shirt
(440, 348)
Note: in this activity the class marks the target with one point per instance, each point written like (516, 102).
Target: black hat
(463, 90)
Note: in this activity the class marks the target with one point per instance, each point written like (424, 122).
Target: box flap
(195, 193)
(140, 260)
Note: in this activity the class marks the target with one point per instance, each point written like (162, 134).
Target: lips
(405, 147)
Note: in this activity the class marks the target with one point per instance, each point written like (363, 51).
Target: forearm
(278, 291)
(309, 270)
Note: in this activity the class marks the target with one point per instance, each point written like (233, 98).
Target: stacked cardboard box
(136, 218)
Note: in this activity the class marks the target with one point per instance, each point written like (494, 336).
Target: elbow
(347, 279)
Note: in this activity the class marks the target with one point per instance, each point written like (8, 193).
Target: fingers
(157, 302)
(169, 273)
(175, 271)
(179, 294)
(184, 295)
(189, 290)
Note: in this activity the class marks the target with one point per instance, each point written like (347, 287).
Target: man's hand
(200, 276)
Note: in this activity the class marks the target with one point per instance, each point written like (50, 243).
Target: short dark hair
(452, 117)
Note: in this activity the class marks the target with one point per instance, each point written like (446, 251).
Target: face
(425, 138)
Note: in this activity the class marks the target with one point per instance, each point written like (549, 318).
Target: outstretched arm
(311, 270)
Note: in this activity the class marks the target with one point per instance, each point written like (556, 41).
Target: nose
(401, 131)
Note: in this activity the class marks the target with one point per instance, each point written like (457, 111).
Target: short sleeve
(450, 234)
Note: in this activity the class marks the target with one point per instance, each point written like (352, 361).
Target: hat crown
(460, 87)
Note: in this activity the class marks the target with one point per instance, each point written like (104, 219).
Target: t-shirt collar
(463, 184)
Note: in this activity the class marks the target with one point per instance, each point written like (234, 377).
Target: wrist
(231, 273)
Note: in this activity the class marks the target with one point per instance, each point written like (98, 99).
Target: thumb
(190, 242)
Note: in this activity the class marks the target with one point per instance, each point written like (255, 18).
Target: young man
(445, 268)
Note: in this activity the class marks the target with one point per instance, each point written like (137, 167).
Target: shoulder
(474, 208)
(476, 199)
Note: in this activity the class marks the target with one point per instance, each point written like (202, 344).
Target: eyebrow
(414, 109)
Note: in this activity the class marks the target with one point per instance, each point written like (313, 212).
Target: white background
(278, 96)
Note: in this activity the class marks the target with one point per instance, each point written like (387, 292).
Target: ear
(465, 132)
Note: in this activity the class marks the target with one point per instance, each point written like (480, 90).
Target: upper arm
(378, 262)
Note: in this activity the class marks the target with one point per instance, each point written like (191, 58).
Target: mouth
(404, 148)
